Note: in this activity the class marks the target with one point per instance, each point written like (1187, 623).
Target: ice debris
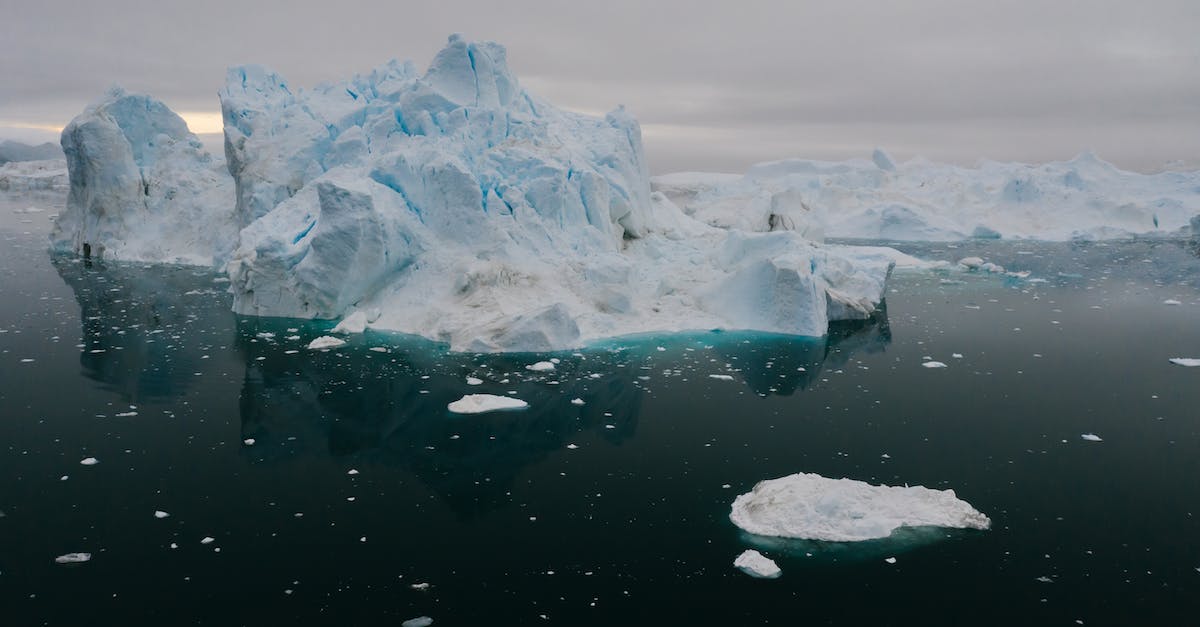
(324, 342)
(73, 558)
(757, 565)
(812, 507)
(480, 403)
(1091, 437)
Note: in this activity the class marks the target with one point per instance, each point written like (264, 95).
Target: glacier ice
(757, 565)
(451, 204)
(142, 188)
(919, 200)
(25, 176)
(811, 507)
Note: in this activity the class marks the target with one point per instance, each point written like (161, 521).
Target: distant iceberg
(451, 204)
(811, 507)
(1084, 198)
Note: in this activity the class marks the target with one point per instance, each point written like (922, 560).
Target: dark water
(510, 525)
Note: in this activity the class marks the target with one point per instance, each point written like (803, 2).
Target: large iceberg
(811, 507)
(924, 201)
(450, 204)
(142, 188)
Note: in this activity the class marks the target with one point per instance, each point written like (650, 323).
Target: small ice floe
(249, 441)
(577, 401)
(420, 586)
(541, 366)
(161, 514)
(474, 381)
(811, 507)
(1044, 579)
(480, 403)
(956, 355)
(1091, 437)
(933, 364)
(207, 540)
(890, 560)
(89, 461)
(757, 565)
(354, 323)
(73, 558)
(324, 342)
(572, 446)
(721, 377)
(1189, 362)
(420, 621)
(378, 349)
(352, 472)
(1171, 301)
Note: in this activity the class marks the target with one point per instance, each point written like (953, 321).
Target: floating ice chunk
(890, 560)
(474, 381)
(249, 441)
(933, 364)
(89, 461)
(572, 446)
(1190, 362)
(577, 401)
(1091, 437)
(354, 323)
(757, 565)
(809, 506)
(325, 341)
(721, 377)
(73, 558)
(480, 403)
(207, 540)
(420, 621)
(541, 366)
(161, 514)
(971, 263)
(352, 472)
(1171, 301)
(956, 355)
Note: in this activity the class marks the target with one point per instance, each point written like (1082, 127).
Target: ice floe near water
(451, 204)
(757, 565)
(325, 342)
(480, 403)
(1091, 437)
(809, 506)
(924, 201)
(73, 558)
(1189, 362)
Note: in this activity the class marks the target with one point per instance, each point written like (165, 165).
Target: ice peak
(473, 74)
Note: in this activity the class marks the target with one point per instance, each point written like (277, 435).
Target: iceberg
(451, 204)
(811, 507)
(482, 403)
(142, 188)
(27, 176)
(919, 200)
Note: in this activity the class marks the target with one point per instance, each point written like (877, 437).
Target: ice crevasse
(450, 204)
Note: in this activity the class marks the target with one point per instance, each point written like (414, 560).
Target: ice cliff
(450, 204)
(1084, 198)
(142, 188)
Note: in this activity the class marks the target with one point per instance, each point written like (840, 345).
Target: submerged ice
(811, 507)
(450, 204)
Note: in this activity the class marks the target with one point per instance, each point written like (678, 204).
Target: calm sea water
(362, 501)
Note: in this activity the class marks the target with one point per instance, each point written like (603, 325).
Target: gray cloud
(717, 85)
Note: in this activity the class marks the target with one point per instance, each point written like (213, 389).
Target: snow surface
(809, 506)
(480, 403)
(142, 188)
(757, 565)
(451, 204)
(924, 201)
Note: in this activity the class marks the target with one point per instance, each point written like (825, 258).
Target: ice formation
(757, 565)
(25, 176)
(142, 188)
(481, 403)
(812, 507)
(920, 200)
(1189, 362)
(451, 204)
(73, 558)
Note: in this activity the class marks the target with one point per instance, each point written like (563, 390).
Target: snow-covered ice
(933, 364)
(541, 366)
(757, 565)
(920, 200)
(1091, 437)
(809, 506)
(1189, 362)
(89, 461)
(480, 403)
(73, 558)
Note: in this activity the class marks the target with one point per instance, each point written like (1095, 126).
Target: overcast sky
(716, 85)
